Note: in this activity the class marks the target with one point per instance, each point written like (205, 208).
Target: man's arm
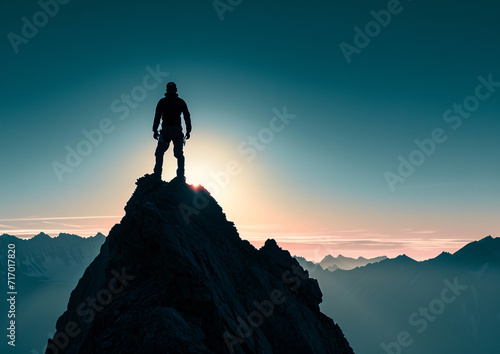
(187, 119)
(156, 122)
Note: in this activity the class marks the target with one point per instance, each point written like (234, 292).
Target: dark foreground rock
(175, 277)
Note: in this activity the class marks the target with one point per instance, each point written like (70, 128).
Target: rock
(175, 277)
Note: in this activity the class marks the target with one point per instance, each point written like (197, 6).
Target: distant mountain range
(60, 258)
(448, 304)
(47, 270)
(346, 263)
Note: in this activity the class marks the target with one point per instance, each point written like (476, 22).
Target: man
(169, 111)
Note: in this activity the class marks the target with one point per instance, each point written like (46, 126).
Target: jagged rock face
(174, 277)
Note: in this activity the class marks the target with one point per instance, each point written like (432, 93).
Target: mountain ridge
(397, 291)
(47, 269)
(176, 263)
(332, 263)
(52, 258)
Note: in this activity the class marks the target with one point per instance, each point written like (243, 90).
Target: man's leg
(160, 151)
(179, 154)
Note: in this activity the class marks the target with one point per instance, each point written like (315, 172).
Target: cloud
(61, 224)
(351, 231)
(63, 218)
(27, 233)
(257, 227)
(30, 226)
(368, 241)
(425, 232)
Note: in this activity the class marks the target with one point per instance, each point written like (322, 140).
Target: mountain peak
(328, 257)
(68, 236)
(175, 263)
(271, 243)
(404, 258)
(444, 254)
(99, 236)
(486, 239)
(42, 236)
(477, 253)
(346, 263)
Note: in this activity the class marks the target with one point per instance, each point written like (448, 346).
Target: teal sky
(319, 185)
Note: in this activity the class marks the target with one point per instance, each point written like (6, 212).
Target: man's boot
(180, 175)
(180, 166)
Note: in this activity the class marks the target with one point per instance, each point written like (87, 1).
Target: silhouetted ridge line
(174, 276)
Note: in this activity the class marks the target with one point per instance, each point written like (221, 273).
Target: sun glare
(196, 175)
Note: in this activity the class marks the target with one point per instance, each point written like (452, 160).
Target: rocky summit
(174, 277)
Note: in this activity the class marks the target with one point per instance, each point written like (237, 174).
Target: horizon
(306, 129)
(313, 255)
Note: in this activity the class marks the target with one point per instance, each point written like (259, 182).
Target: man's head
(171, 87)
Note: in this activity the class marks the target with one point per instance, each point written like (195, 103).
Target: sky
(361, 128)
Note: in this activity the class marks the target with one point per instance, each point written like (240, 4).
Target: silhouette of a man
(169, 111)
